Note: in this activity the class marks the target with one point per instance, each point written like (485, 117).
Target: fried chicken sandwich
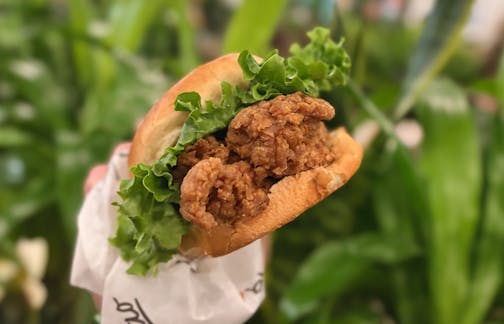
(233, 151)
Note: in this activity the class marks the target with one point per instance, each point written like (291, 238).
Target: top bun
(288, 198)
(162, 124)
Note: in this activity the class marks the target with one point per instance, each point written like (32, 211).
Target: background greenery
(415, 237)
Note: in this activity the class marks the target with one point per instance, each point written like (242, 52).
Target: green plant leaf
(126, 101)
(361, 315)
(81, 14)
(336, 265)
(450, 164)
(129, 21)
(401, 212)
(72, 162)
(187, 58)
(11, 136)
(486, 86)
(373, 111)
(437, 43)
(128, 24)
(39, 92)
(253, 25)
(489, 259)
(500, 82)
(16, 206)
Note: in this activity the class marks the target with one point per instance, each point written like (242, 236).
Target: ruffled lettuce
(320, 65)
(150, 227)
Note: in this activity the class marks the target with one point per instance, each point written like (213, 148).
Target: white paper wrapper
(226, 289)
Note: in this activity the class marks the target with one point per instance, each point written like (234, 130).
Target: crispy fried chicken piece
(213, 192)
(283, 136)
(264, 143)
(195, 191)
(235, 195)
(204, 148)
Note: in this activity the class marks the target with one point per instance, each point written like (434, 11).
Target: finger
(97, 173)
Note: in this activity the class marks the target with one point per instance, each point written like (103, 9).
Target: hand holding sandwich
(233, 151)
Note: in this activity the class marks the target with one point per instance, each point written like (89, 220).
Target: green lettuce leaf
(150, 227)
(320, 65)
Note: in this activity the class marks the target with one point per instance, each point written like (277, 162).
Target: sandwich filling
(228, 180)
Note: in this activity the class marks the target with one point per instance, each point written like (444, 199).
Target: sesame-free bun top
(161, 126)
(288, 198)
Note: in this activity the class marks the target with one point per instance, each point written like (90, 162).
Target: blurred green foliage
(415, 237)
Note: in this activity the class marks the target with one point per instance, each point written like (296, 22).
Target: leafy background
(415, 237)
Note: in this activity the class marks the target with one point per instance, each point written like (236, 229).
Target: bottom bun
(288, 199)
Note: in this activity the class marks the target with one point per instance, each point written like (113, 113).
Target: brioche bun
(288, 198)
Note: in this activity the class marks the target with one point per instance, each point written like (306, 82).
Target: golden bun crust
(289, 197)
